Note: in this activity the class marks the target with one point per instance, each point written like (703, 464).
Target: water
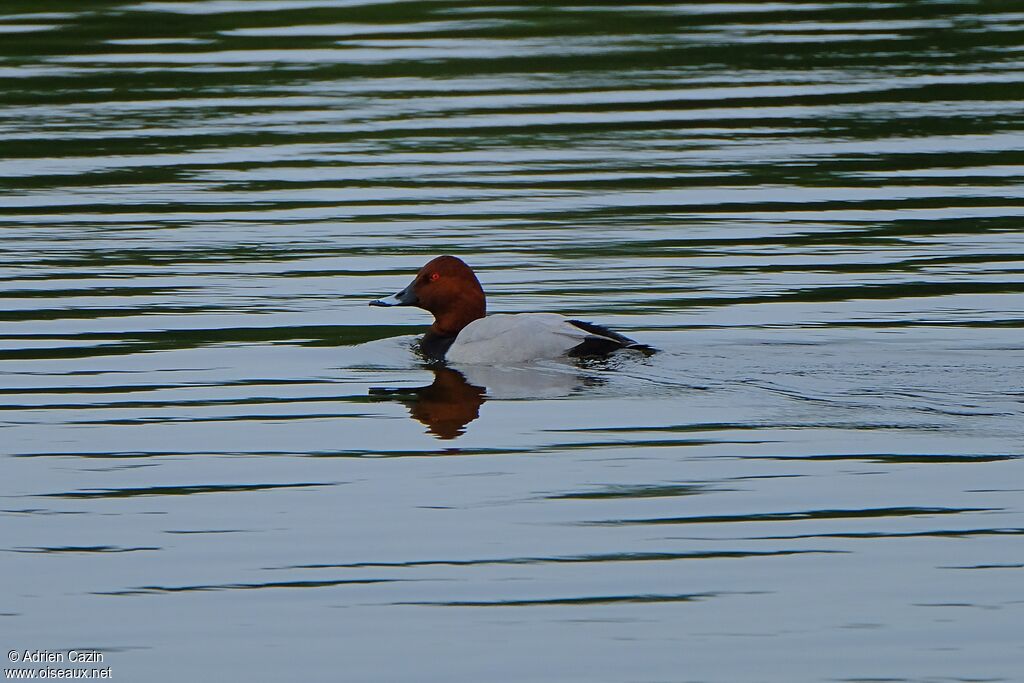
(813, 210)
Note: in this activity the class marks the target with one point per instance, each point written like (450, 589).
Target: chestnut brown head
(449, 289)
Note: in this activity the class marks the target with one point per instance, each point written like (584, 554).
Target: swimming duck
(463, 332)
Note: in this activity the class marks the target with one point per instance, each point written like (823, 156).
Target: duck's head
(449, 289)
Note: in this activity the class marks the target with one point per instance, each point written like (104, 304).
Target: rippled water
(813, 209)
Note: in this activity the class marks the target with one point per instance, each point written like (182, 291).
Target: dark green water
(814, 210)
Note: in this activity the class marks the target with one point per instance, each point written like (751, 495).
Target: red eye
(434, 277)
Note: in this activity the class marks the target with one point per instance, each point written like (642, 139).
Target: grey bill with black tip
(406, 297)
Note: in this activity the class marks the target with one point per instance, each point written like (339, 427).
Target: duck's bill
(404, 298)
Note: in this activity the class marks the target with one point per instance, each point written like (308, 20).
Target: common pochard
(463, 332)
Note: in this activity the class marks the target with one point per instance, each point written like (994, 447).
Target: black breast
(435, 346)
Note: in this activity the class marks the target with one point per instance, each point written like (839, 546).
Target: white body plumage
(515, 338)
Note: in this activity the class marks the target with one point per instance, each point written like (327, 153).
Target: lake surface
(220, 464)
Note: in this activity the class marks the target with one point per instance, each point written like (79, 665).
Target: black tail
(601, 341)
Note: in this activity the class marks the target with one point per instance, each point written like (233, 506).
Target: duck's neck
(451, 321)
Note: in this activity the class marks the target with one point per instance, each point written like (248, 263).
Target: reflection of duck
(463, 333)
(445, 407)
(454, 398)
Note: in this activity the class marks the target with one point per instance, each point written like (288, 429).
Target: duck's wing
(514, 338)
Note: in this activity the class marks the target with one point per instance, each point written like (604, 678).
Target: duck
(462, 331)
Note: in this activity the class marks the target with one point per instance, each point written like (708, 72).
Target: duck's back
(515, 338)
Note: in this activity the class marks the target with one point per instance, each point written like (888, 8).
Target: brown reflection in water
(446, 406)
